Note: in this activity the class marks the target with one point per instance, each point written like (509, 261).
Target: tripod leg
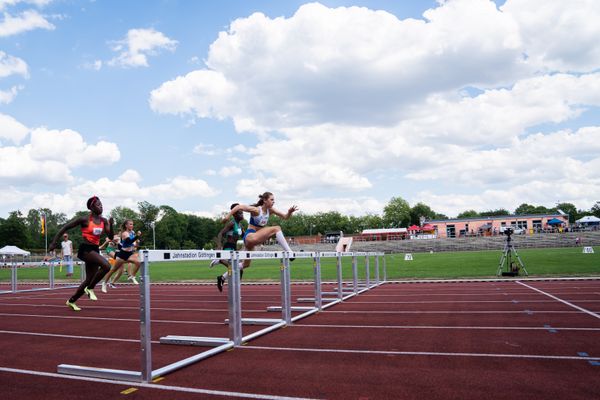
(501, 264)
(520, 261)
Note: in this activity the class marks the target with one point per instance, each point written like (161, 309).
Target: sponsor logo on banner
(191, 255)
(329, 254)
(303, 254)
(248, 255)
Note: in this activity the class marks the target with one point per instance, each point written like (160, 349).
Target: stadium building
(489, 226)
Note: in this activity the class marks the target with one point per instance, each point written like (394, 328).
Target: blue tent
(556, 221)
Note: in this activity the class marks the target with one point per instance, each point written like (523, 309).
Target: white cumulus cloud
(7, 96)
(137, 45)
(11, 129)
(67, 146)
(124, 191)
(558, 35)
(230, 171)
(26, 21)
(49, 156)
(466, 96)
(10, 65)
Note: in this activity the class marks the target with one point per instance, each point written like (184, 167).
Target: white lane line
(517, 328)
(74, 336)
(593, 314)
(423, 353)
(224, 310)
(520, 300)
(153, 385)
(111, 319)
(444, 312)
(488, 294)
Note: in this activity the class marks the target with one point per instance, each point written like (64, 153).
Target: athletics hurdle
(341, 292)
(236, 338)
(146, 374)
(51, 285)
(285, 283)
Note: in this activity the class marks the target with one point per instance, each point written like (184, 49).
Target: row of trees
(175, 230)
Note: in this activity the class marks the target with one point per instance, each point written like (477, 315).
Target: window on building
(450, 231)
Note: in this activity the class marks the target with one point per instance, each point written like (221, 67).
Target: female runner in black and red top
(96, 266)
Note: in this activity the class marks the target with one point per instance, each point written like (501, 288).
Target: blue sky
(336, 105)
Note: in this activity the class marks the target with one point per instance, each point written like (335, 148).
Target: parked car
(516, 231)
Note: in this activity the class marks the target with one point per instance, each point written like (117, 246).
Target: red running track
(501, 340)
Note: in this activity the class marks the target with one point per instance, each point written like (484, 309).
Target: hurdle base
(293, 308)
(104, 373)
(194, 341)
(258, 321)
(312, 299)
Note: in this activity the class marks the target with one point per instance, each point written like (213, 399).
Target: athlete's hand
(51, 253)
(292, 209)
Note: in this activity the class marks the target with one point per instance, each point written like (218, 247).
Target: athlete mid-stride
(92, 227)
(258, 232)
(227, 239)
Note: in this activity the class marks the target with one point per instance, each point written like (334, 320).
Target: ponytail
(262, 198)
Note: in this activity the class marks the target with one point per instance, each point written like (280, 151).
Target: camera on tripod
(510, 258)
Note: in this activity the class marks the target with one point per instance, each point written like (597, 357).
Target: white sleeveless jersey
(260, 219)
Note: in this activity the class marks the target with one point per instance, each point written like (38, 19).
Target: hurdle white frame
(146, 374)
(339, 290)
(14, 282)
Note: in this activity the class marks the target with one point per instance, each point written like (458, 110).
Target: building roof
(496, 217)
(383, 230)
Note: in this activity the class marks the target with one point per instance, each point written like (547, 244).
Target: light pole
(159, 216)
(153, 224)
(310, 230)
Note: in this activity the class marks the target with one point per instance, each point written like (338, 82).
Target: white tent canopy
(588, 219)
(13, 251)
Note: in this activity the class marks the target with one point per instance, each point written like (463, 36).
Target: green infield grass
(467, 264)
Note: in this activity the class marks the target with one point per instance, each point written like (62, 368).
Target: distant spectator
(67, 253)
(577, 241)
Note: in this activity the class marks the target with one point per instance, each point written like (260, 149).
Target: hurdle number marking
(588, 250)
(408, 257)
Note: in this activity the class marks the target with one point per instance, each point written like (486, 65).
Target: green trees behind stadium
(177, 230)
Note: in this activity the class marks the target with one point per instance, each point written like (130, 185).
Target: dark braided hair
(91, 202)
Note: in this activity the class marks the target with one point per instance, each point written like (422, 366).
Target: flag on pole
(43, 223)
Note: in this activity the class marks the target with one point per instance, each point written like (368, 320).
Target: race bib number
(97, 231)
